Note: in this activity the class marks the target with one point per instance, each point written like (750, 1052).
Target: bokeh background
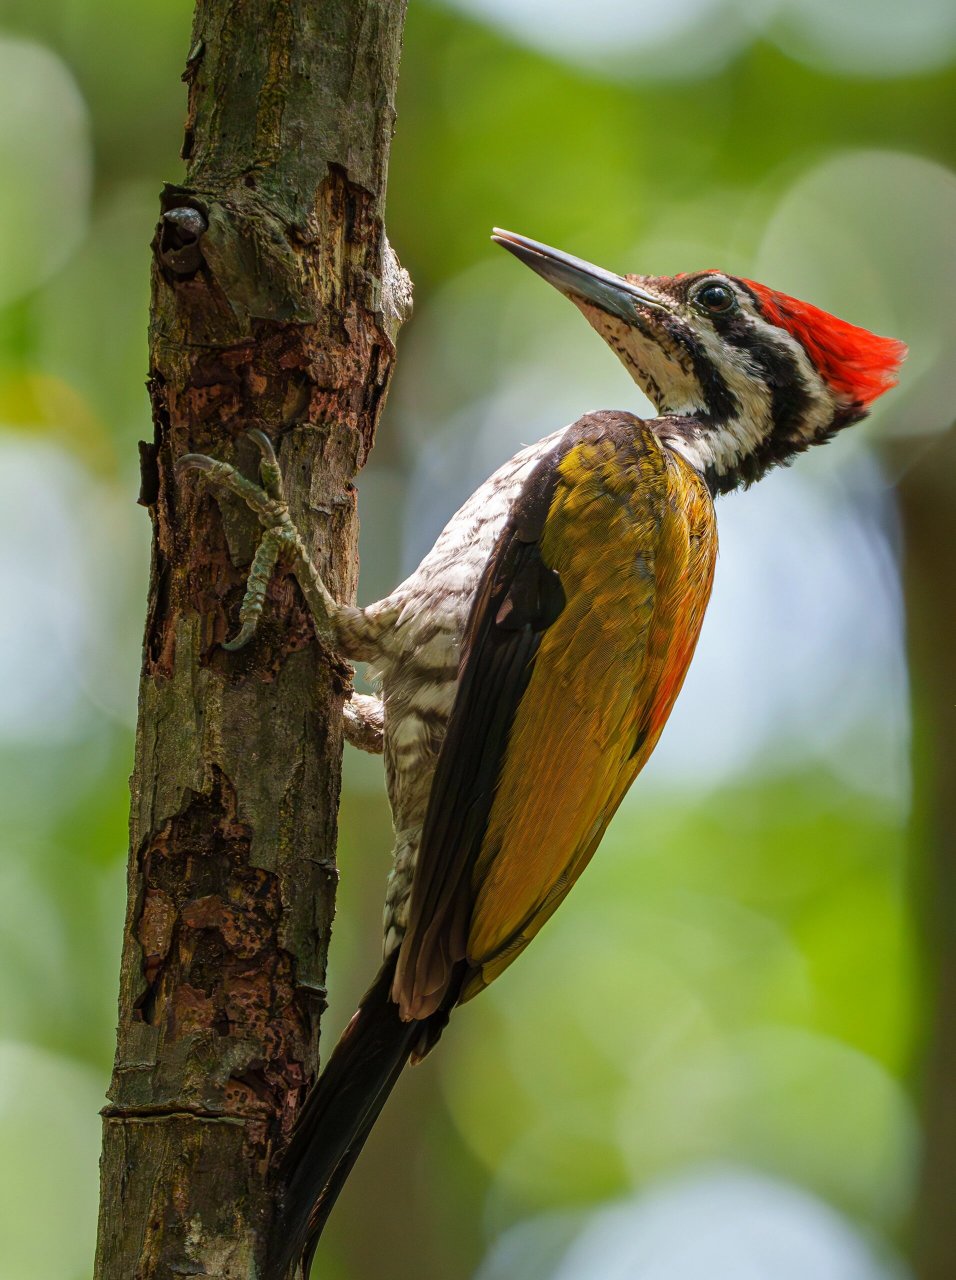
(725, 1058)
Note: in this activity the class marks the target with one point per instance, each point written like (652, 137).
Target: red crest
(858, 365)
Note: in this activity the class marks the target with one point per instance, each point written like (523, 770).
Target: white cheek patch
(666, 374)
(822, 402)
(725, 446)
(742, 435)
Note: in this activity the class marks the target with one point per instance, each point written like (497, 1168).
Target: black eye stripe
(779, 370)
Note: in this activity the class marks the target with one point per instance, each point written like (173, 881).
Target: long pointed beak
(578, 279)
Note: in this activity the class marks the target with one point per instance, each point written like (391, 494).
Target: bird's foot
(364, 719)
(280, 537)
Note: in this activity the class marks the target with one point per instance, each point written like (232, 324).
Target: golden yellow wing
(578, 642)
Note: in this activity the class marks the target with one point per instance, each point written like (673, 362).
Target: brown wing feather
(517, 598)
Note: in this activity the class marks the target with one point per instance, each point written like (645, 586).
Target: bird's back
(558, 704)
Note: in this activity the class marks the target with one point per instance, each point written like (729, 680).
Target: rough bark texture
(929, 532)
(275, 304)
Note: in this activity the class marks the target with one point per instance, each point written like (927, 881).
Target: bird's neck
(727, 452)
(765, 429)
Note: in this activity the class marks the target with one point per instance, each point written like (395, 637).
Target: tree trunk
(929, 536)
(275, 304)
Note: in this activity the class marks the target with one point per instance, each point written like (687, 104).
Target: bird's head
(744, 378)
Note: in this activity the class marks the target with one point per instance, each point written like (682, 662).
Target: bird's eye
(717, 299)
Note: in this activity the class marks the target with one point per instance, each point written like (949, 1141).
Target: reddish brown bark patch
(212, 963)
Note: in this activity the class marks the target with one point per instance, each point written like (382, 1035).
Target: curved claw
(242, 637)
(263, 444)
(195, 462)
(279, 537)
(269, 472)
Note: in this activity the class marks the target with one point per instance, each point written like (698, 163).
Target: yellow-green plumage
(579, 637)
(633, 539)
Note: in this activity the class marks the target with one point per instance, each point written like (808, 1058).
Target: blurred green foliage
(735, 981)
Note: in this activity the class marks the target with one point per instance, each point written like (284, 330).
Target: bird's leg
(341, 627)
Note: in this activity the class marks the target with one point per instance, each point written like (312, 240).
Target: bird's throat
(726, 453)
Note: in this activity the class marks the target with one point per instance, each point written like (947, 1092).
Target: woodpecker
(530, 662)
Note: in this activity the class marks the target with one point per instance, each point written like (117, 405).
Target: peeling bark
(275, 304)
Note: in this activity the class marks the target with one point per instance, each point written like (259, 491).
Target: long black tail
(337, 1118)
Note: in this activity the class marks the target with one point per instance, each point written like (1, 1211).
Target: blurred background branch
(274, 305)
(929, 529)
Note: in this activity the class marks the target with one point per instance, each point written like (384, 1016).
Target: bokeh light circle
(46, 161)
